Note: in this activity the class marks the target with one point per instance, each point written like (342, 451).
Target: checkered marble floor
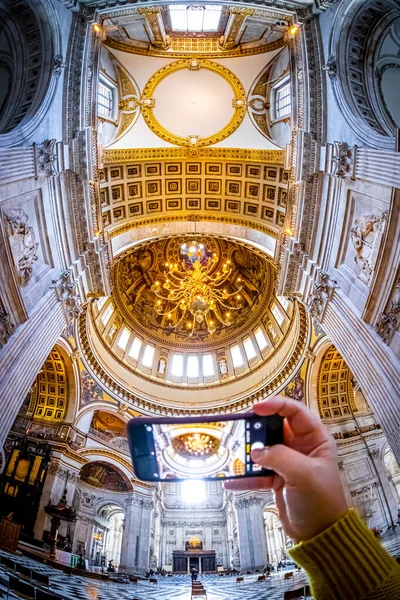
(176, 587)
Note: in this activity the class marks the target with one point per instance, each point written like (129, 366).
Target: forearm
(346, 561)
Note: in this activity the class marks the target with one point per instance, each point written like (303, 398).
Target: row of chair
(198, 589)
(24, 572)
(301, 592)
(28, 591)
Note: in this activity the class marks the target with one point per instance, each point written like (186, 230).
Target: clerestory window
(195, 18)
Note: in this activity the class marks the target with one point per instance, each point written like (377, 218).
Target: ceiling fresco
(251, 276)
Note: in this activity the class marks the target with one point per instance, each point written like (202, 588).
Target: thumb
(285, 461)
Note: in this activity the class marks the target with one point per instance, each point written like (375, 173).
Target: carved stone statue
(23, 244)
(223, 367)
(366, 235)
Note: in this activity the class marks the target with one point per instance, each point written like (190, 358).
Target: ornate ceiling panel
(250, 193)
(243, 31)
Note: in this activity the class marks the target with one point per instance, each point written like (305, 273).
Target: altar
(184, 561)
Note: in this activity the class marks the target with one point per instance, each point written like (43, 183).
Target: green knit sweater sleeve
(346, 562)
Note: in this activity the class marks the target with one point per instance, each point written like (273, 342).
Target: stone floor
(176, 587)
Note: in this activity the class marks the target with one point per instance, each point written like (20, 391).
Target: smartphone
(177, 449)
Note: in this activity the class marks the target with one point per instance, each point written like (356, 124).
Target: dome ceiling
(167, 296)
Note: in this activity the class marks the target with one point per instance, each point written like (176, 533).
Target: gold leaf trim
(179, 49)
(125, 155)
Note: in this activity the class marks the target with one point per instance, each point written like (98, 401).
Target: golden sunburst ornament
(192, 293)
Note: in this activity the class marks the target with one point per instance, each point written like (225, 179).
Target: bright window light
(237, 357)
(193, 491)
(135, 348)
(101, 302)
(284, 302)
(249, 349)
(192, 366)
(277, 314)
(283, 101)
(104, 101)
(208, 365)
(260, 339)
(105, 317)
(195, 18)
(123, 338)
(177, 365)
(148, 354)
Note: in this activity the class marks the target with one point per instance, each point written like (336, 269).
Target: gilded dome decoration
(161, 289)
(195, 444)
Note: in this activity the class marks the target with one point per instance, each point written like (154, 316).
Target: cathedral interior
(199, 210)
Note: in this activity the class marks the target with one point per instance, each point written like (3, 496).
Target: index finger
(301, 420)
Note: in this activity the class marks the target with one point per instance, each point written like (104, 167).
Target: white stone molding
(389, 321)
(324, 5)
(46, 160)
(330, 67)
(66, 291)
(339, 160)
(323, 289)
(7, 327)
(58, 65)
(303, 155)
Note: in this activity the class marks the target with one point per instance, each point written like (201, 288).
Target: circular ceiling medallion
(201, 101)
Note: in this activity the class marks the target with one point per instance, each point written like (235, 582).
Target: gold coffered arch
(335, 388)
(49, 394)
(243, 190)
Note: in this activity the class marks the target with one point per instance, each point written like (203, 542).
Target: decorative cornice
(190, 217)
(112, 157)
(206, 49)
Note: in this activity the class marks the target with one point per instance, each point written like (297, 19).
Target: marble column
(373, 365)
(252, 538)
(135, 548)
(379, 166)
(390, 500)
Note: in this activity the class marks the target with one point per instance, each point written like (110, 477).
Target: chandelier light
(191, 294)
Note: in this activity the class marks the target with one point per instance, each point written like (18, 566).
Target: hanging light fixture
(191, 295)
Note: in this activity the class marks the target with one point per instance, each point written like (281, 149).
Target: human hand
(308, 489)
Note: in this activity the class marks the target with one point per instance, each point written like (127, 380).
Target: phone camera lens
(148, 428)
(257, 425)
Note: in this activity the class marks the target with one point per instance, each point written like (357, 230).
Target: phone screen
(200, 449)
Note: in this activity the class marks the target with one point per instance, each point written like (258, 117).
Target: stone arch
(48, 399)
(54, 393)
(33, 29)
(356, 34)
(257, 238)
(114, 459)
(106, 474)
(85, 414)
(321, 374)
(335, 388)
